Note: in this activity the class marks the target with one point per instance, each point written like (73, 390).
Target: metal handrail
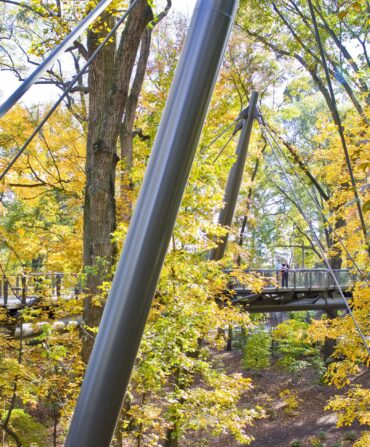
(298, 269)
(48, 62)
(300, 278)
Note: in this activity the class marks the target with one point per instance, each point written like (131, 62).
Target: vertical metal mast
(133, 287)
(235, 178)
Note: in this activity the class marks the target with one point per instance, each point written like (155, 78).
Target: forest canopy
(304, 201)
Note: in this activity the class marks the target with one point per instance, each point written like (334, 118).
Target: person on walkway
(284, 274)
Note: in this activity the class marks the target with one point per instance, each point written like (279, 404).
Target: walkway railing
(19, 290)
(304, 279)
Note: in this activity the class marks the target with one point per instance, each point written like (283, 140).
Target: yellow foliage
(352, 406)
(364, 441)
(43, 216)
(291, 401)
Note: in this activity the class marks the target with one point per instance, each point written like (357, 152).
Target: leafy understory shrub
(364, 441)
(291, 402)
(295, 349)
(295, 443)
(337, 444)
(352, 407)
(350, 436)
(257, 354)
(315, 442)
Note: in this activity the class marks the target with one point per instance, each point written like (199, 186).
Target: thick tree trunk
(109, 79)
(126, 131)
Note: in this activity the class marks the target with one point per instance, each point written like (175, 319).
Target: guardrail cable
(68, 89)
(316, 238)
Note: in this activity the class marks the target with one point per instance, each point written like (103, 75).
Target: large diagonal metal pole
(134, 283)
(235, 178)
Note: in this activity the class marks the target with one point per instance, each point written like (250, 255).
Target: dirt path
(309, 425)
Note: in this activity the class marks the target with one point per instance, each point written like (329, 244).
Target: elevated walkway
(17, 291)
(307, 289)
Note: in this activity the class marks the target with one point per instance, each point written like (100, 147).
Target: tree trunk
(126, 131)
(329, 344)
(109, 79)
(171, 442)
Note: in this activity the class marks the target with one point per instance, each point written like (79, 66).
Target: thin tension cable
(238, 128)
(65, 93)
(217, 137)
(223, 148)
(318, 242)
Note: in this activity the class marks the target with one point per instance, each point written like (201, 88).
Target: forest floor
(309, 425)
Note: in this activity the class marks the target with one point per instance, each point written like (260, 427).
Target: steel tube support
(235, 179)
(134, 284)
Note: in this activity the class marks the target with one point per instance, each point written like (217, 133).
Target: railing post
(58, 284)
(24, 289)
(136, 277)
(310, 275)
(294, 280)
(77, 286)
(6, 290)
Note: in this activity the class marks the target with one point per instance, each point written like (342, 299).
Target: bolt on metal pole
(235, 179)
(138, 270)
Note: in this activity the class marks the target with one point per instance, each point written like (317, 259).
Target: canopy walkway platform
(307, 289)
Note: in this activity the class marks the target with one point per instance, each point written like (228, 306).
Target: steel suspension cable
(68, 89)
(314, 199)
(337, 119)
(223, 131)
(223, 148)
(317, 240)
